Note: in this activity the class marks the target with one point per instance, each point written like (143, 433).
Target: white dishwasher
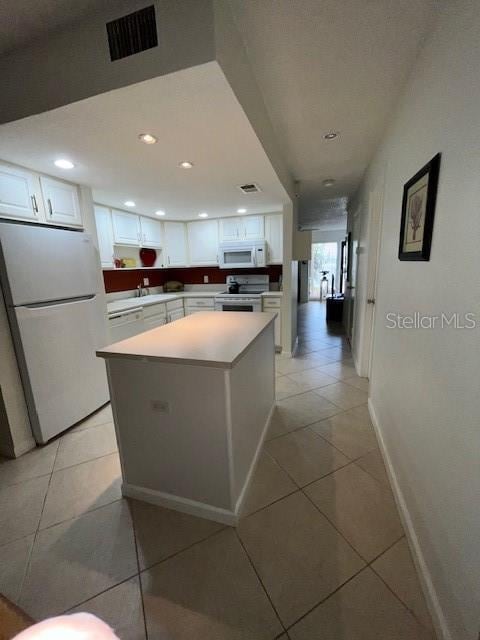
(125, 324)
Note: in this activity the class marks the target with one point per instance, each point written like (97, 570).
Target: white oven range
(248, 295)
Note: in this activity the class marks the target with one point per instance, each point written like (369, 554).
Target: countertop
(156, 298)
(207, 338)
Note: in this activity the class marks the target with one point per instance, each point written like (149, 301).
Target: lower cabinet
(192, 305)
(155, 315)
(274, 305)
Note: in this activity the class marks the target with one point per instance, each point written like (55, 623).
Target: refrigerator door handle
(57, 303)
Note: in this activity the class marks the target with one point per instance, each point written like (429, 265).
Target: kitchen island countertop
(207, 338)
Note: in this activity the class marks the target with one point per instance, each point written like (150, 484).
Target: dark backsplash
(126, 279)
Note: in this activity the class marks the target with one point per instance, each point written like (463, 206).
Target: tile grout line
(260, 580)
(396, 594)
(77, 464)
(37, 530)
(140, 585)
(177, 553)
(304, 615)
(100, 593)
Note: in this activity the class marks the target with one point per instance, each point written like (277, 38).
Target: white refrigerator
(49, 281)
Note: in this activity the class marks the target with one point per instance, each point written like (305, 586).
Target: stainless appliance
(242, 254)
(50, 284)
(249, 296)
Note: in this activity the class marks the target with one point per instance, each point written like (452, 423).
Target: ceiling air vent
(249, 188)
(133, 33)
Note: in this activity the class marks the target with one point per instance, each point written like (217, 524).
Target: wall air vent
(249, 188)
(133, 33)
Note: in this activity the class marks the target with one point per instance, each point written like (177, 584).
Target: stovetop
(255, 292)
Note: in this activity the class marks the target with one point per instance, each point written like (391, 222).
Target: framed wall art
(418, 211)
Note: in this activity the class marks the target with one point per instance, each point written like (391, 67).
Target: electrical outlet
(205, 279)
(146, 282)
(162, 406)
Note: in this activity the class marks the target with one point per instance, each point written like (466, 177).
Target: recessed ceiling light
(241, 211)
(147, 138)
(62, 163)
(331, 135)
(329, 182)
(203, 215)
(186, 164)
(160, 213)
(129, 203)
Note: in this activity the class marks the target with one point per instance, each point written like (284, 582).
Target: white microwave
(243, 254)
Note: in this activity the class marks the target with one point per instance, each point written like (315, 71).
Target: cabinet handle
(168, 259)
(50, 210)
(34, 204)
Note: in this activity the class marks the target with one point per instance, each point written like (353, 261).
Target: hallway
(323, 440)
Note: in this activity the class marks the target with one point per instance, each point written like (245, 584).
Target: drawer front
(154, 321)
(155, 310)
(175, 304)
(191, 310)
(194, 303)
(272, 302)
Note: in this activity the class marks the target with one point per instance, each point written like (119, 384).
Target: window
(324, 258)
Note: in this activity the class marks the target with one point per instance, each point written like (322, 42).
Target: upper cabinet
(61, 202)
(150, 232)
(203, 242)
(274, 238)
(252, 228)
(175, 244)
(28, 196)
(20, 195)
(245, 228)
(126, 228)
(229, 229)
(103, 221)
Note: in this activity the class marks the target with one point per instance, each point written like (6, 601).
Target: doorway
(323, 265)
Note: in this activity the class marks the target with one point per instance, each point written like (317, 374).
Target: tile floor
(319, 554)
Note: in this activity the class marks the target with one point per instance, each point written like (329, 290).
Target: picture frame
(418, 212)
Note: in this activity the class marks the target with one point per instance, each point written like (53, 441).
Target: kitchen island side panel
(170, 425)
(252, 389)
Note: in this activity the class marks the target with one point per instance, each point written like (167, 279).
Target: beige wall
(424, 386)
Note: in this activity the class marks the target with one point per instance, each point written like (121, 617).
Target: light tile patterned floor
(319, 554)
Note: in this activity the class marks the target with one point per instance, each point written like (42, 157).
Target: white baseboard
(438, 618)
(253, 466)
(191, 507)
(200, 509)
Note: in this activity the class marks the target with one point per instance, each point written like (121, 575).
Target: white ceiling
(195, 116)
(326, 65)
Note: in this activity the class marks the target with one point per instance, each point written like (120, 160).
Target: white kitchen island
(192, 401)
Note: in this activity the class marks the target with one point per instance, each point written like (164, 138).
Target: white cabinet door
(274, 238)
(203, 242)
(19, 194)
(229, 229)
(176, 315)
(126, 228)
(251, 228)
(175, 244)
(62, 205)
(151, 232)
(103, 221)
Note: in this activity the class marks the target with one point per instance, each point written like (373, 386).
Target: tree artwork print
(418, 209)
